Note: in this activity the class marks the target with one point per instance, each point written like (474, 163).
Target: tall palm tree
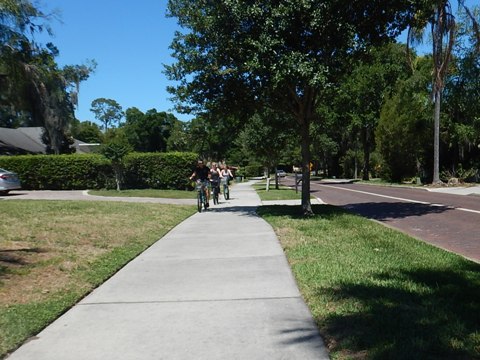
(443, 29)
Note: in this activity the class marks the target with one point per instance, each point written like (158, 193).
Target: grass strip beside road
(52, 253)
(376, 293)
(153, 193)
(282, 193)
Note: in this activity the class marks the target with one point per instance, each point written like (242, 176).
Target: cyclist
(215, 178)
(225, 175)
(202, 173)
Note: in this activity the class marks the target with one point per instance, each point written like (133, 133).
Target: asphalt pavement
(455, 190)
(218, 286)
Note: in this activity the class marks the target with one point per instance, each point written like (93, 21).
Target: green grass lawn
(52, 253)
(376, 293)
(154, 193)
(282, 193)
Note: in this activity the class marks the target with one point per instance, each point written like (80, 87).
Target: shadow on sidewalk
(241, 210)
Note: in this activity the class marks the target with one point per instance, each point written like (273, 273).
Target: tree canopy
(34, 89)
(149, 131)
(107, 111)
(239, 56)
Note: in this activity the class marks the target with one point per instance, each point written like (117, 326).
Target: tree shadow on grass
(378, 211)
(426, 314)
(10, 258)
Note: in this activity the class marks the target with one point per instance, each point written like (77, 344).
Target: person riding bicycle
(215, 176)
(202, 173)
(225, 176)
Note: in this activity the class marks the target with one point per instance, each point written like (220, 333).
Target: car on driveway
(281, 173)
(8, 181)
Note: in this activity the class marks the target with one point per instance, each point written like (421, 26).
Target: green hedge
(93, 171)
(159, 170)
(60, 172)
(252, 170)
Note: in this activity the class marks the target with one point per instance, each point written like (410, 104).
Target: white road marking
(469, 210)
(403, 199)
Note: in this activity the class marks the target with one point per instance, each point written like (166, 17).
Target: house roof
(28, 140)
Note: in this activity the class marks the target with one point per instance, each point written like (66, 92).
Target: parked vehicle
(8, 181)
(281, 173)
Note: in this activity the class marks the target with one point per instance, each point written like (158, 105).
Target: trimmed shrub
(253, 170)
(60, 172)
(94, 171)
(159, 170)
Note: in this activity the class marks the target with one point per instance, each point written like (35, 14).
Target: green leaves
(108, 111)
(116, 148)
(18, 20)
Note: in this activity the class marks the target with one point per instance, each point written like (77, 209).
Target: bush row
(253, 170)
(93, 171)
(159, 170)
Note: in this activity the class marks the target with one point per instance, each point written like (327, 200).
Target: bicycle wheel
(215, 195)
(226, 192)
(199, 201)
(205, 201)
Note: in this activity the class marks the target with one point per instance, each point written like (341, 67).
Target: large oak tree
(235, 56)
(31, 82)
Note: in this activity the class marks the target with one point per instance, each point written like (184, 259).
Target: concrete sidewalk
(218, 286)
(457, 190)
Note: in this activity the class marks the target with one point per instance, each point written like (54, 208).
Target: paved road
(449, 221)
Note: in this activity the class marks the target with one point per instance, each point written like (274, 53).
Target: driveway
(83, 195)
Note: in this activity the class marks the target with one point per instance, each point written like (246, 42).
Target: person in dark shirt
(202, 173)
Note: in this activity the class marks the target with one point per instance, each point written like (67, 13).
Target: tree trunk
(443, 26)
(276, 178)
(304, 110)
(305, 143)
(355, 176)
(48, 107)
(366, 154)
(118, 170)
(436, 139)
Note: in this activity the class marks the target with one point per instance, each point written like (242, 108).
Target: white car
(281, 173)
(8, 181)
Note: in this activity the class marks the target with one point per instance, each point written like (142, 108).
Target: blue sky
(129, 41)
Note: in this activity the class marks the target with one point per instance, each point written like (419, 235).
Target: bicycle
(201, 196)
(226, 190)
(215, 191)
